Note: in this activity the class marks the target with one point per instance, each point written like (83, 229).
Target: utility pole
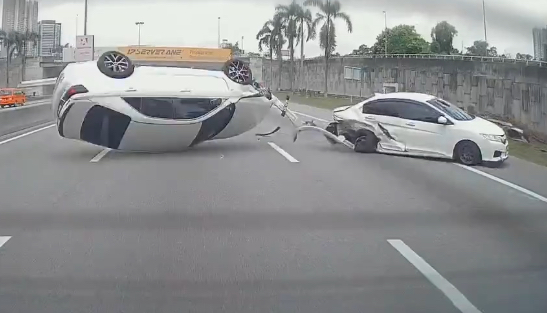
(139, 26)
(484, 21)
(85, 17)
(385, 27)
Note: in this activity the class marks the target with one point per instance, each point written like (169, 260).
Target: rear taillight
(73, 90)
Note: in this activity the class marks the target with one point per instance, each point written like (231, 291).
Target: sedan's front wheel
(467, 153)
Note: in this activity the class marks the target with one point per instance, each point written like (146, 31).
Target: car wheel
(238, 71)
(333, 129)
(115, 65)
(366, 142)
(467, 153)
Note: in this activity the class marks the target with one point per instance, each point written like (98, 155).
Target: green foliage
(442, 38)
(401, 39)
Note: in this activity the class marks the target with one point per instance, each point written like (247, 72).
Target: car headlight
(496, 138)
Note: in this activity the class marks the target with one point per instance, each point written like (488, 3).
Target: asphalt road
(237, 226)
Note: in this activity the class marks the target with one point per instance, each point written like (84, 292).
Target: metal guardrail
(440, 57)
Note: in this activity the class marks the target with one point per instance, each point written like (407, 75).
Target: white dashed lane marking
(283, 152)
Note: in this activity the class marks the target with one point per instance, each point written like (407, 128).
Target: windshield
(5, 92)
(451, 110)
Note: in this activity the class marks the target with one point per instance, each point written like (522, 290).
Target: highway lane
(233, 226)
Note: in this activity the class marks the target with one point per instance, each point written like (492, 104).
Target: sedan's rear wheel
(367, 142)
(238, 71)
(467, 153)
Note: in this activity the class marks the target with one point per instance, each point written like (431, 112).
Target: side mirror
(442, 120)
(288, 97)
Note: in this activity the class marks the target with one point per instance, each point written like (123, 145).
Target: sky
(193, 23)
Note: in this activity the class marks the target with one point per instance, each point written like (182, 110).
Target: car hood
(481, 126)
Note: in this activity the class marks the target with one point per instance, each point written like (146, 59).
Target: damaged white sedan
(417, 124)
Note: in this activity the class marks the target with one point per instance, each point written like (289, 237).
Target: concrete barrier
(19, 118)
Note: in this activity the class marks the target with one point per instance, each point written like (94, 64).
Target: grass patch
(318, 102)
(532, 152)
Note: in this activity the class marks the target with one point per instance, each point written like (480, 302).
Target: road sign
(176, 54)
(84, 48)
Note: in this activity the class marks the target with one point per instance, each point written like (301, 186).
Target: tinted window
(450, 109)
(411, 110)
(379, 108)
(174, 108)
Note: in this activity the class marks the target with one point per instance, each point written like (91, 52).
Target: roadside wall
(516, 92)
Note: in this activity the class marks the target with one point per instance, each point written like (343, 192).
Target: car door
(420, 130)
(381, 112)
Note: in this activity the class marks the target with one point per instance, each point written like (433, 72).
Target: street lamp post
(218, 32)
(484, 21)
(85, 17)
(139, 26)
(385, 27)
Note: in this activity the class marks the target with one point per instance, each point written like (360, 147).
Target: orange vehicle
(12, 97)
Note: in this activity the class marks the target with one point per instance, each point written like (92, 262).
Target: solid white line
(283, 152)
(100, 155)
(310, 116)
(457, 298)
(25, 134)
(504, 182)
(3, 240)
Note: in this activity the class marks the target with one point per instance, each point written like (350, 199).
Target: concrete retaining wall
(515, 92)
(16, 119)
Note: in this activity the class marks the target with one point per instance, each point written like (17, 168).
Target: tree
(27, 37)
(362, 50)
(234, 47)
(288, 15)
(271, 36)
(401, 39)
(306, 31)
(482, 48)
(12, 41)
(330, 10)
(442, 37)
(523, 56)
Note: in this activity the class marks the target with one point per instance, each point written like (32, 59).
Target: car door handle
(369, 118)
(411, 124)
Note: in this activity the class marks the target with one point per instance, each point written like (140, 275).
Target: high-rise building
(13, 15)
(50, 38)
(31, 26)
(540, 43)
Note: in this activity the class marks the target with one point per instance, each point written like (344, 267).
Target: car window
(18, 92)
(450, 109)
(380, 107)
(173, 108)
(412, 110)
(5, 93)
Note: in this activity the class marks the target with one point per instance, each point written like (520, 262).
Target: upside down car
(418, 125)
(114, 103)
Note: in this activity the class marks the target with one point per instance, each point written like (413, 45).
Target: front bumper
(495, 151)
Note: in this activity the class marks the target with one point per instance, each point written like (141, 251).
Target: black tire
(238, 71)
(333, 129)
(367, 142)
(467, 153)
(115, 64)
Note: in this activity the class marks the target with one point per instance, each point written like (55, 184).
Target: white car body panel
(103, 108)
(418, 138)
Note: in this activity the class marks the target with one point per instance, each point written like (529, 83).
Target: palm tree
(11, 41)
(288, 14)
(305, 24)
(271, 36)
(330, 10)
(266, 38)
(27, 37)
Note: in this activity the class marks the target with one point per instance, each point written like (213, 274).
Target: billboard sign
(175, 54)
(84, 48)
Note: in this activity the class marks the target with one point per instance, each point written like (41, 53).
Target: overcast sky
(194, 22)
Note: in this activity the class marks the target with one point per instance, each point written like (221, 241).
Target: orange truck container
(12, 97)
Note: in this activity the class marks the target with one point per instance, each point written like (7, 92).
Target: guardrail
(19, 118)
(441, 57)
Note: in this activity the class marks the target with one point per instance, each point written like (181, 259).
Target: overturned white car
(419, 125)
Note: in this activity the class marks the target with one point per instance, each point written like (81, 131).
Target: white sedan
(419, 125)
(115, 104)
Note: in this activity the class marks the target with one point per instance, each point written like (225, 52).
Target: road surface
(249, 225)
